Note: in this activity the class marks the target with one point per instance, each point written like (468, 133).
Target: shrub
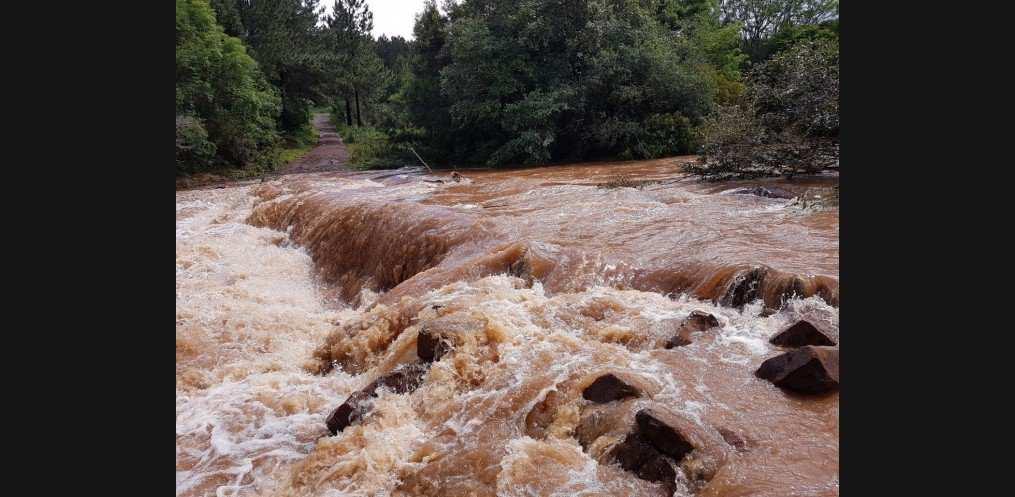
(193, 150)
(221, 86)
(787, 122)
(370, 148)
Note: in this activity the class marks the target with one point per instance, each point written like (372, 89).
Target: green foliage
(764, 21)
(787, 122)
(286, 41)
(370, 148)
(298, 144)
(798, 90)
(222, 89)
(504, 82)
(193, 150)
(794, 35)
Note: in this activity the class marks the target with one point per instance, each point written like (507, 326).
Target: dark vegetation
(751, 85)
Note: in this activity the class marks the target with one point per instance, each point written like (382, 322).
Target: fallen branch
(420, 159)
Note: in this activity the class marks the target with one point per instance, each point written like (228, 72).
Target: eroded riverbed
(295, 293)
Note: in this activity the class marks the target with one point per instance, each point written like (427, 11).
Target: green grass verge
(370, 148)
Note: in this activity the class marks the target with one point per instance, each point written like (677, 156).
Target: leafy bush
(370, 148)
(787, 122)
(505, 82)
(193, 150)
(223, 90)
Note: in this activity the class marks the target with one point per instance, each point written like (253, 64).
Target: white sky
(391, 17)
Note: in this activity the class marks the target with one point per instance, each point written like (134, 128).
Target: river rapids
(293, 294)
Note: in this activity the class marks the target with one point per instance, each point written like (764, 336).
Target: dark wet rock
(677, 341)
(608, 388)
(652, 449)
(661, 436)
(744, 288)
(641, 458)
(521, 267)
(406, 378)
(351, 411)
(697, 321)
(700, 321)
(430, 346)
(807, 369)
(800, 334)
(733, 439)
(763, 192)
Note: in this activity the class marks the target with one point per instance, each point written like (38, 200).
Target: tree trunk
(348, 112)
(359, 118)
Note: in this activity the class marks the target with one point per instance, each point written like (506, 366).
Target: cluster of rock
(811, 367)
(621, 423)
(652, 442)
(404, 379)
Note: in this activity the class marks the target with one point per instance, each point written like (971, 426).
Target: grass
(370, 148)
(297, 146)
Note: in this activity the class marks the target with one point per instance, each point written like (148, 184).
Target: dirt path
(329, 154)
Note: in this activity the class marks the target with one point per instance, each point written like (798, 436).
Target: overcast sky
(391, 17)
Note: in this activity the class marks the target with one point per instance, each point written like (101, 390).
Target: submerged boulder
(700, 321)
(800, 334)
(744, 287)
(351, 411)
(807, 369)
(405, 379)
(733, 439)
(662, 436)
(697, 321)
(678, 340)
(608, 388)
(652, 449)
(641, 458)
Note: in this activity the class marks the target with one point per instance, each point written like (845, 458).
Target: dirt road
(330, 153)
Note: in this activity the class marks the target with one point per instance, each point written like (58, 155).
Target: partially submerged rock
(697, 321)
(763, 192)
(802, 333)
(807, 369)
(744, 287)
(641, 458)
(733, 439)
(609, 387)
(652, 449)
(351, 411)
(430, 345)
(405, 379)
(662, 436)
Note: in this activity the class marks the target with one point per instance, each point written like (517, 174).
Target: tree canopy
(500, 82)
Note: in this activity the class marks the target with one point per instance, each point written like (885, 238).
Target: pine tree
(349, 28)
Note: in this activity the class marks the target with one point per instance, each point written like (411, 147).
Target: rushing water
(293, 294)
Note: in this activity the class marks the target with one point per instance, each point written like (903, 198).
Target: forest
(751, 86)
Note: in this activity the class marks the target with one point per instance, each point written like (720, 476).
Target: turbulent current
(294, 294)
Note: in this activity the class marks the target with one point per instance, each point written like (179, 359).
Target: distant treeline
(484, 82)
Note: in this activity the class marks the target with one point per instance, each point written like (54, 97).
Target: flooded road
(295, 293)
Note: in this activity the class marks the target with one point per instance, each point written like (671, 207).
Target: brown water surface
(294, 293)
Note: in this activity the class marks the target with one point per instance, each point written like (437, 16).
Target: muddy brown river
(296, 293)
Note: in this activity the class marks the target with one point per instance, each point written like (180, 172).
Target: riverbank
(323, 151)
